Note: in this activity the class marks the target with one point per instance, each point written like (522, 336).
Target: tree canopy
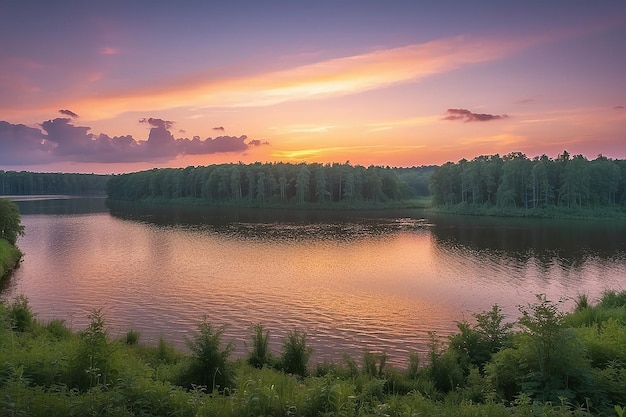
(272, 183)
(10, 221)
(515, 180)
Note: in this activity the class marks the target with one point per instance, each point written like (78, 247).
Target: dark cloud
(256, 142)
(182, 131)
(468, 116)
(68, 113)
(22, 145)
(60, 140)
(619, 107)
(219, 128)
(196, 146)
(165, 124)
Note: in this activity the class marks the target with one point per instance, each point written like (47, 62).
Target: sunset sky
(120, 86)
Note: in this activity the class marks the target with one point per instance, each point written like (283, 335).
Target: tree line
(515, 180)
(273, 183)
(32, 183)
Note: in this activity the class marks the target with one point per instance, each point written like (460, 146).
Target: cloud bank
(60, 140)
(468, 116)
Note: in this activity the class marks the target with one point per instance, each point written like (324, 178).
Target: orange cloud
(339, 76)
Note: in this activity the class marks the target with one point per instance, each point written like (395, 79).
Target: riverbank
(9, 258)
(564, 213)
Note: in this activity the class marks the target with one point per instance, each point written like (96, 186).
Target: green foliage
(10, 221)
(260, 354)
(542, 187)
(131, 337)
(276, 184)
(20, 315)
(93, 364)
(295, 354)
(29, 183)
(46, 370)
(9, 257)
(374, 363)
(444, 369)
(210, 364)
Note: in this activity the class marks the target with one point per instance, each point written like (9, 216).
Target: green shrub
(132, 337)
(94, 360)
(20, 315)
(209, 365)
(295, 354)
(260, 354)
(57, 329)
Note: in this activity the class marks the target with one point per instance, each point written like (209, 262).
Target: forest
(516, 181)
(34, 183)
(273, 183)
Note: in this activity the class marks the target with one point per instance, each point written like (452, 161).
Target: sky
(122, 86)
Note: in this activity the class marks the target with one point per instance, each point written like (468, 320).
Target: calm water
(352, 280)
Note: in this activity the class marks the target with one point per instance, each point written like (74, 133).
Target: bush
(94, 364)
(209, 365)
(295, 354)
(132, 337)
(20, 315)
(260, 354)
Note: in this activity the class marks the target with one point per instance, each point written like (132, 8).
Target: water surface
(353, 280)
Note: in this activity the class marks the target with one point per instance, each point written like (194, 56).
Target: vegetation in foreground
(547, 363)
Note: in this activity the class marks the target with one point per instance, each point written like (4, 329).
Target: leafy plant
(260, 354)
(209, 365)
(295, 354)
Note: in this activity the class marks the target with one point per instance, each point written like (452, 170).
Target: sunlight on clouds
(302, 129)
(500, 140)
(334, 77)
(331, 153)
(412, 121)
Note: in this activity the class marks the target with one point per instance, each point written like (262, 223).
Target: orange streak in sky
(339, 76)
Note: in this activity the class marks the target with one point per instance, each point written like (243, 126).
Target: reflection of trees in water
(275, 224)
(62, 205)
(545, 242)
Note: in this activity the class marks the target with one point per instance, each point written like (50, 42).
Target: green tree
(10, 221)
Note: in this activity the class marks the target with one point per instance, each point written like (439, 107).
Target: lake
(352, 280)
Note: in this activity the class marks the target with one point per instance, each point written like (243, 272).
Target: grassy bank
(548, 363)
(9, 257)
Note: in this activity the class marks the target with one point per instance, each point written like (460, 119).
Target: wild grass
(47, 370)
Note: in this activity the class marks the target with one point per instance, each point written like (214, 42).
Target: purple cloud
(468, 116)
(219, 128)
(619, 107)
(69, 113)
(165, 124)
(256, 142)
(60, 139)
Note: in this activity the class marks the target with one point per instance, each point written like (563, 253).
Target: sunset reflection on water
(374, 284)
